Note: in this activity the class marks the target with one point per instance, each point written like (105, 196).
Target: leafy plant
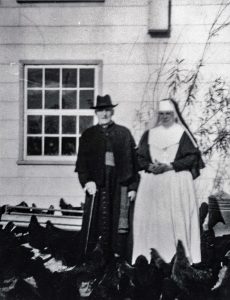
(206, 108)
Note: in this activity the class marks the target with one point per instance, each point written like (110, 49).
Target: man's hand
(132, 195)
(91, 187)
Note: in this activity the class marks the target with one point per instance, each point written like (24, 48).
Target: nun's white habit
(166, 208)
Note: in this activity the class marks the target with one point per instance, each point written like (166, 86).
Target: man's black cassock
(110, 181)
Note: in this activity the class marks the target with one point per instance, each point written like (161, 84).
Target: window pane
(68, 124)
(86, 77)
(69, 99)
(85, 122)
(51, 145)
(34, 124)
(34, 99)
(34, 145)
(52, 99)
(52, 77)
(69, 77)
(86, 99)
(68, 146)
(57, 103)
(52, 124)
(34, 77)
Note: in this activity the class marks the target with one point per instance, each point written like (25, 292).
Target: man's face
(104, 115)
(166, 118)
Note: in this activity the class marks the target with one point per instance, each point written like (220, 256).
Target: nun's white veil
(171, 105)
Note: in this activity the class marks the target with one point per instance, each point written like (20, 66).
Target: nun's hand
(161, 168)
(151, 167)
(158, 169)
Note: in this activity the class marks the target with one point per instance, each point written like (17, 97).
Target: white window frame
(24, 112)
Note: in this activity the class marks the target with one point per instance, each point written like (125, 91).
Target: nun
(166, 208)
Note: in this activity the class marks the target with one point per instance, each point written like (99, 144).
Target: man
(107, 171)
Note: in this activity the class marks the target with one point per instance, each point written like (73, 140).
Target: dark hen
(63, 244)
(10, 226)
(203, 215)
(50, 210)
(37, 234)
(21, 207)
(75, 211)
(44, 279)
(144, 277)
(109, 283)
(14, 258)
(191, 281)
(20, 233)
(170, 290)
(95, 262)
(23, 291)
(208, 253)
(168, 287)
(164, 268)
(221, 290)
(96, 257)
(35, 210)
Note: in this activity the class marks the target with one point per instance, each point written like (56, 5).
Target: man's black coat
(90, 163)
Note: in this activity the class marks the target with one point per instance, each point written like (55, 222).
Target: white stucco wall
(116, 33)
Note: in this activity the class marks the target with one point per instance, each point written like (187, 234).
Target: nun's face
(167, 118)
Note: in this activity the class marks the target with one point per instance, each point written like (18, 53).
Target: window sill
(48, 162)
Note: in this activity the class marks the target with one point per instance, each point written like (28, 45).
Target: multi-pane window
(57, 109)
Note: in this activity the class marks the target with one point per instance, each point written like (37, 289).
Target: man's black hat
(103, 102)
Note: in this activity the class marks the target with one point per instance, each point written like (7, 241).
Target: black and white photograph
(114, 149)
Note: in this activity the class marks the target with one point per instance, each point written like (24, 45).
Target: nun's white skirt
(166, 210)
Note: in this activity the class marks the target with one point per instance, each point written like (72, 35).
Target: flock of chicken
(43, 263)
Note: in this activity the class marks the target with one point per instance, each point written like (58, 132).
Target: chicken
(35, 210)
(145, 278)
(203, 213)
(107, 284)
(3, 209)
(170, 290)
(94, 263)
(19, 232)
(9, 227)
(50, 285)
(221, 290)
(37, 234)
(22, 291)
(14, 258)
(164, 268)
(96, 257)
(208, 253)
(191, 281)
(168, 287)
(63, 244)
(77, 211)
(21, 207)
(50, 210)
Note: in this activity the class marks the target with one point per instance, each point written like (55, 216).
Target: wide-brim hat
(103, 102)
